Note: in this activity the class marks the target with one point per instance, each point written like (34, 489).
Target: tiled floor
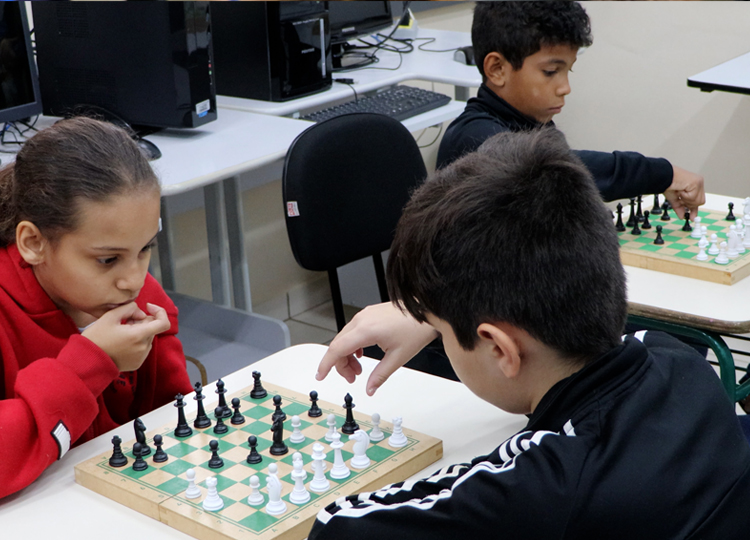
(317, 325)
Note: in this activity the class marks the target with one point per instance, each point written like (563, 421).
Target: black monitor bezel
(364, 27)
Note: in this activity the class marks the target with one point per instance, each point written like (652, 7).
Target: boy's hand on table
(126, 333)
(384, 325)
(686, 192)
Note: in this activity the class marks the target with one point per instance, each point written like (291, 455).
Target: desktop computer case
(271, 51)
(150, 63)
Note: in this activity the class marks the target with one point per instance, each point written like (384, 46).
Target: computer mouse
(465, 55)
(149, 149)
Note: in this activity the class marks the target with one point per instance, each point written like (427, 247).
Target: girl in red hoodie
(87, 336)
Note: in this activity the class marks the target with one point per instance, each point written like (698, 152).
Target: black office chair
(345, 183)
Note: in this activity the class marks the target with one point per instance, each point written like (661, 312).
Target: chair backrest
(345, 183)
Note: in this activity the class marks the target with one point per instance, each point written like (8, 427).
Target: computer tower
(150, 63)
(271, 51)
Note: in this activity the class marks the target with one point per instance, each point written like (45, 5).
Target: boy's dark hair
(515, 232)
(519, 29)
(73, 160)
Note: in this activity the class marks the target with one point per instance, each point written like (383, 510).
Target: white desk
(56, 507)
(731, 76)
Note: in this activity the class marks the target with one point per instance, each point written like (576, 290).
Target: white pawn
(714, 249)
(192, 491)
(213, 502)
(732, 240)
(275, 506)
(339, 469)
(256, 497)
(298, 457)
(319, 483)
(746, 239)
(397, 438)
(296, 436)
(746, 210)
(360, 459)
(701, 255)
(273, 470)
(331, 421)
(722, 258)
(741, 235)
(703, 242)
(376, 434)
(299, 494)
(696, 228)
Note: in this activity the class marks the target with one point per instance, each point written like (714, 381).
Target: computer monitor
(19, 86)
(349, 20)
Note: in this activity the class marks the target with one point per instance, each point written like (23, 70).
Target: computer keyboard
(399, 102)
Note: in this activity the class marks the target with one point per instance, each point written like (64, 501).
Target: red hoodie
(57, 387)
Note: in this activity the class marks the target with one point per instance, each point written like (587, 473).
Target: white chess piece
(376, 434)
(339, 469)
(746, 209)
(741, 230)
(722, 258)
(192, 491)
(273, 470)
(397, 438)
(275, 506)
(331, 421)
(298, 457)
(213, 501)
(256, 497)
(746, 227)
(701, 255)
(319, 483)
(703, 242)
(696, 233)
(714, 249)
(297, 436)
(732, 239)
(299, 494)
(360, 459)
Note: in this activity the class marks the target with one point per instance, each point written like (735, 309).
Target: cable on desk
(350, 84)
(434, 140)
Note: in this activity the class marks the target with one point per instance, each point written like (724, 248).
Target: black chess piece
(139, 464)
(215, 462)
(202, 421)
(140, 436)
(730, 215)
(639, 212)
(118, 459)
(278, 413)
(182, 429)
(636, 229)
(350, 426)
(160, 456)
(632, 218)
(646, 223)
(220, 428)
(314, 411)
(258, 392)
(656, 210)
(278, 448)
(665, 211)
(686, 227)
(619, 227)
(226, 412)
(254, 456)
(237, 417)
(658, 240)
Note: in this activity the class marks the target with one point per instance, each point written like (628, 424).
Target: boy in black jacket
(627, 438)
(524, 51)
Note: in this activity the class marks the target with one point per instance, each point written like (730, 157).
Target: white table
(731, 76)
(55, 506)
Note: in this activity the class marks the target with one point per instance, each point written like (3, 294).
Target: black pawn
(686, 227)
(118, 459)
(658, 240)
(254, 456)
(646, 224)
(237, 417)
(656, 210)
(139, 464)
(278, 448)
(350, 426)
(220, 428)
(278, 413)
(258, 392)
(639, 212)
(202, 420)
(636, 229)
(160, 456)
(226, 412)
(140, 436)
(314, 411)
(215, 462)
(665, 211)
(730, 215)
(182, 429)
(619, 227)
(632, 219)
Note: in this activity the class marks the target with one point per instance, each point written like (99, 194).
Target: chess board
(159, 490)
(677, 254)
